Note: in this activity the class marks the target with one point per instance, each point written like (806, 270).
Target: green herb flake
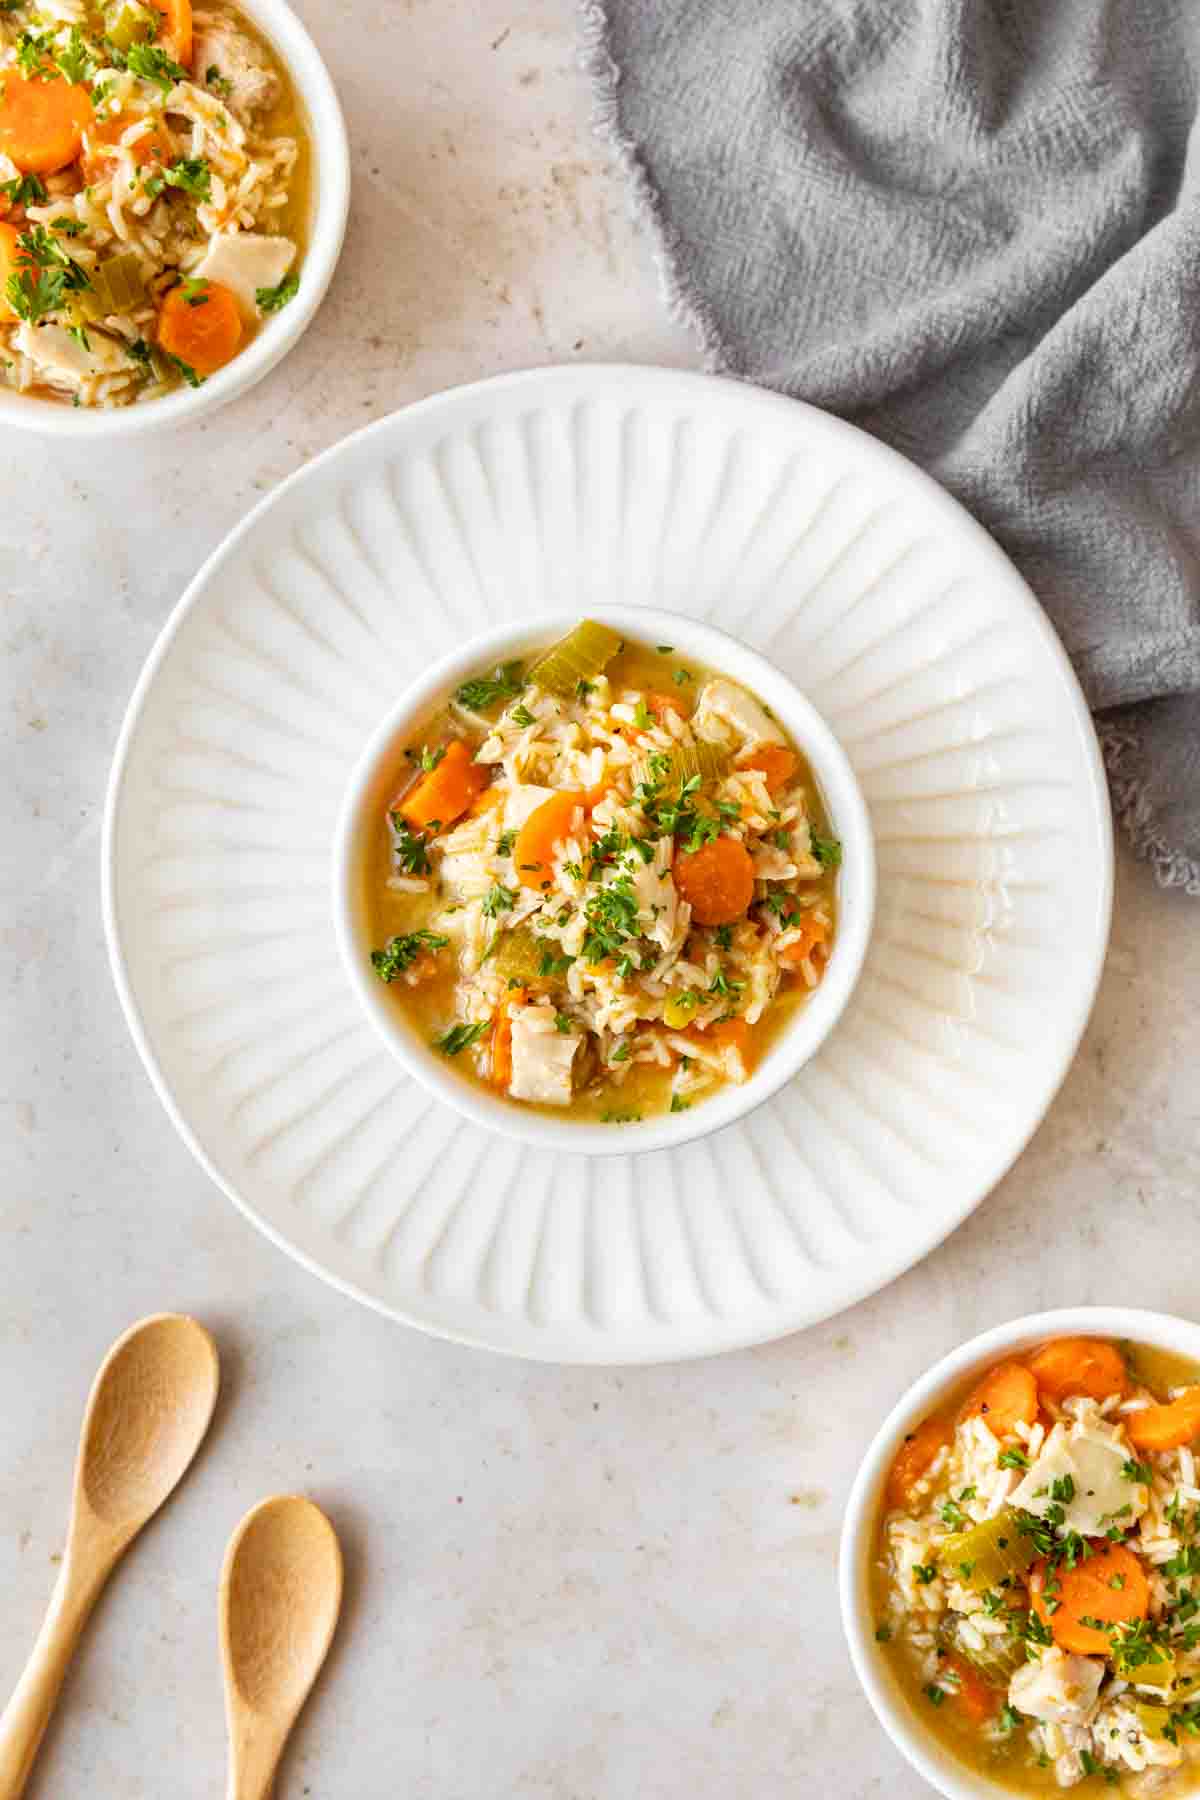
(460, 1038)
(274, 299)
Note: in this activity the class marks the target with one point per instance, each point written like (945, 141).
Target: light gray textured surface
(971, 227)
(562, 1585)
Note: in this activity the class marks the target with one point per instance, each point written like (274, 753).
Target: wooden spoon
(147, 1414)
(281, 1592)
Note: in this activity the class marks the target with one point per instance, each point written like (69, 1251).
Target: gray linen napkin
(973, 228)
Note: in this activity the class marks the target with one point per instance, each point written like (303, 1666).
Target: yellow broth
(1009, 1762)
(429, 1008)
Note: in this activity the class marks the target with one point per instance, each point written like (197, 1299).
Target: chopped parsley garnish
(1010, 1718)
(429, 759)
(1137, 1471)
(44, 275)
(505, 842)
(185, 369)
(34, 49)
(483, 691)
(68, 227)
(623, 1052)
(149, 62)
(140, 351)
(195, 291)
(192, 175)
(402, 952)
(883, 1633)
(612, 916)
(25, 190)
(953, 1516)
(828, 851)
(274, 299)
(643, 718)
(723, 937)
(665, 649)
(1063, 1488)
(552, 967)
(924, 1573)
(498, 899)
(562, 1022)
(522, 716)
(1012, 1459)
(214, 79)
(620, 1118)
(409, 849)
(678, 1106)
(680, 676)
(459, 1038)
(75, 59)
(934, 1694)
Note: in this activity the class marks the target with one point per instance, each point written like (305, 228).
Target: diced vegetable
(1167, 1426)
(1110, 1585)
(993, 1551)
(540, 836)
(996, 1658)
(502, 1061)
(125, 23)
(813, 933)
(447, 790)
(717, 880)
(669, 771)
(976, 1698)
(11, 260)
(42, 122)
(580, 656)
(777, 762)
(1005, 1398)
(101, 149)
(679, 1007)
(117, 286)
(176, 30)
(519, 956)
(203, 332)
(1079, 1365)
(915, 1458)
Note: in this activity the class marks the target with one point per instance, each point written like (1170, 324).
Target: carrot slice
(102, 138)
(42, 122)
(813, 933)
(1109, 1585)
(717, 880)
(971, 1692)
(1005, 1398)
(175, 33)
(915, 1458)
(502, 1062)
(204, 332)
(777, 763)
(1167, 1426)
(447, 790)
(662, 704)
(544, 829)
(1079, 1365)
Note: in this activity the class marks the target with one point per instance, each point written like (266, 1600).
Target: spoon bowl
(281, 1593)
(149, 1409)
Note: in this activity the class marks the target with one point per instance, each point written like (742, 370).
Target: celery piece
(580, 656)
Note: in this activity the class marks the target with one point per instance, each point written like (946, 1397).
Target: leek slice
(126, 23)
(580, 656)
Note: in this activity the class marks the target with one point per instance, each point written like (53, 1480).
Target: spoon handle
(27, 1714)
(253, 1759)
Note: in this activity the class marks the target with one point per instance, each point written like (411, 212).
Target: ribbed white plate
(570, 488)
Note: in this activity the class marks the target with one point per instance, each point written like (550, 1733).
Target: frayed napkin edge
(1121, 745)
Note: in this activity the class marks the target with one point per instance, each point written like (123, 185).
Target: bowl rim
(932, 1761)
(856, 896)
(306, 67)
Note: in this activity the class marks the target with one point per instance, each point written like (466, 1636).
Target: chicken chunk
(224, 55)
(662, 916)
(1058, 1686)
(726, 713)
(1090, 1464)
(244, 261)
(65, 363)
(542, 1057)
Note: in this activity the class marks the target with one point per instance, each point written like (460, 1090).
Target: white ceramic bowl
(928, 1756)
(368, 793)
(329, 205)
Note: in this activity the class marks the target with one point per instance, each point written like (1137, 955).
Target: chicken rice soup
(604, 880)
(153, 195)
(1036, 1571)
